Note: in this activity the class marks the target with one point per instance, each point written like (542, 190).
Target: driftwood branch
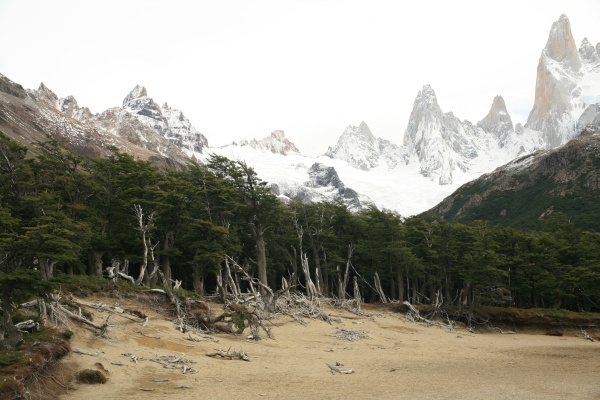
(103, 328)
(337, 370)
(414, 315)
(86, 353)
(230, 355)
(28, 326)
(586, 335)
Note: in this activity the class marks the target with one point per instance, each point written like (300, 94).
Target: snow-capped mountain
(438, 151)
(30, 116)
(171, 123)
(568, 80)
(360, 149)
(276, 143)
(447, 148)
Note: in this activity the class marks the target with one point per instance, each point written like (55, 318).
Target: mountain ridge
(439, 151)
(527, 190)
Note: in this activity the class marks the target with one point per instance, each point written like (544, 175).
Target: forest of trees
(64, 214)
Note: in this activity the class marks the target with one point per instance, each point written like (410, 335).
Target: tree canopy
(62, 214)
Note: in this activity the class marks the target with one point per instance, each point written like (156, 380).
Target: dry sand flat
(398, 360)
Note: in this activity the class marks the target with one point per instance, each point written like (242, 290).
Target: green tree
(259, 207)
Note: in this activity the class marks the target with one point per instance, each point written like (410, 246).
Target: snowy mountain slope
(439, 151)
(294, 177)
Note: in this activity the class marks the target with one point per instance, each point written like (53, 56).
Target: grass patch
(87, 285)
(8, 358)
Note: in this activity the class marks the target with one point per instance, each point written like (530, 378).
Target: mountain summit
(440, 143)
(171, 123)
(498, 121)
(566, 84)
(357, 146)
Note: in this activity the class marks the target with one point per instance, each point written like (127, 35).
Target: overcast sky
(243, 68)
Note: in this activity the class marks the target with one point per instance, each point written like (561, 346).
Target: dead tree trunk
(344, 282)
(152, 277)
(294, 262)
(379, 289)
(357, 293)
(144, 226)
(232, 283)
(174, 300)
(311, 290)
(114, 271)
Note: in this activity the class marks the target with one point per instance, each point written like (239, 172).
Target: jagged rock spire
(137, 92)
(588, 52)
(557, 77)
(561, 45)
(497, 121)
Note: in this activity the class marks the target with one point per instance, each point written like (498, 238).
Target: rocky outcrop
(588, 53)
(275, 143)
(324, 177)
(43, 93)
(181, 132)
(68, 106)
(498, 122)
(169, 122)
(590, 119)
(11, 88)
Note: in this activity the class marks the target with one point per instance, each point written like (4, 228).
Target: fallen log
(103, 328)
(28, 326)
(86, 353)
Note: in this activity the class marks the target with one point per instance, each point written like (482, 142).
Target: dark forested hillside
(524, 192)
(122, 218)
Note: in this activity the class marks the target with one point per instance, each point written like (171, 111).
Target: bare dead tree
(114, 271)
(172, 298)
(145, 223)
(379, 289)
(232, 283)
(343, 283)
(357, 293)
(311, 290)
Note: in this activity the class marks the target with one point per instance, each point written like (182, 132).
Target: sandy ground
(398, 360)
